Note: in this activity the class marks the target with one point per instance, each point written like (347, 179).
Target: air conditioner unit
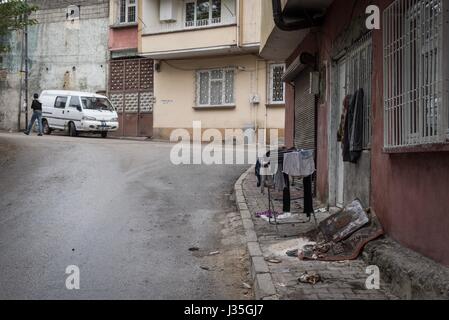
(168, 10)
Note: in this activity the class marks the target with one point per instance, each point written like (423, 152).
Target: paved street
(122, 213)
(343, 280)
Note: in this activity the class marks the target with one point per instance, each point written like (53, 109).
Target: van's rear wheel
(46, 127)
(104, 134)
(72, 130)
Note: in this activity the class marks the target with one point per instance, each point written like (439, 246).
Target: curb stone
(264, 288)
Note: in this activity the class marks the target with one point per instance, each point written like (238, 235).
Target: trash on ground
(273, 261)
(246, 286)
(270, 216)
(267, 214)
(282, 285)
(310, 278)
(344, 223)
(214, 253)
(205, 268)
(193, 249)
(344, 235)
(279, 249)
(293, 253)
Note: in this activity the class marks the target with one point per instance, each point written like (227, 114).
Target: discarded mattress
(343, 236)
(341, 225)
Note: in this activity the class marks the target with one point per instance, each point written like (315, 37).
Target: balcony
(189, 29)
(189, 25)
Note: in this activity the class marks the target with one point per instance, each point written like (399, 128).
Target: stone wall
(66, 52)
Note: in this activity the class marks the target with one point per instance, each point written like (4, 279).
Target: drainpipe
(26, 69)
(238, 14)
(306, 21)
(22, 54)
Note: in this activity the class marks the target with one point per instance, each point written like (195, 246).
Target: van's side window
(75, 102)
(60, 102)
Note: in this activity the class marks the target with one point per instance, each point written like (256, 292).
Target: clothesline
(275, 169)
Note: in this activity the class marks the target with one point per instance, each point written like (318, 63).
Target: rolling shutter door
(305, 130)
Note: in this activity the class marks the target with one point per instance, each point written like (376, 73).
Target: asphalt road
(118, 210)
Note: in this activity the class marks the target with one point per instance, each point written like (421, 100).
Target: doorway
(340, 164)
(131, 91)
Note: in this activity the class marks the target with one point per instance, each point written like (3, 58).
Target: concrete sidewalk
(275, 274)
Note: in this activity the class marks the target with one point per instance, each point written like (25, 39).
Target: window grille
(358, 65)
(276, 85)
(215, 87)
(415, 74)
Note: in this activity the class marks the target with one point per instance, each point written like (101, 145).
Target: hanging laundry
(344, 116)
(353, 129)
(299, 164)
(356, 138)
(279, 179)
(308, 196)
(264, 172)
(307, 162)
(282, 180)
(346, 129)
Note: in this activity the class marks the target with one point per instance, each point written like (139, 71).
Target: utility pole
(22, 55)
(26, 68)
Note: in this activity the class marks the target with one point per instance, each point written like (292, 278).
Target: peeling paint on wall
(67, 50)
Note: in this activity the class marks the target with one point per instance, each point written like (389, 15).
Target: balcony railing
(189, 25)
(202, 23)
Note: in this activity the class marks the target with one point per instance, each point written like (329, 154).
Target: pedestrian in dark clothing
(37, 114)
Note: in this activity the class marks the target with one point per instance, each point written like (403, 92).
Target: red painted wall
(123, 38)
(410, 191)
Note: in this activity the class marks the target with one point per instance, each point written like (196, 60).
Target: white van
(77, 112)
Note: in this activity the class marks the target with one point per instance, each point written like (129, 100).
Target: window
(199, 13)
(358, 65)
(128, 11)
(60, 102)
(92, 103)
(276, 85)
(415, 106)
(75, 102)
(215, 87)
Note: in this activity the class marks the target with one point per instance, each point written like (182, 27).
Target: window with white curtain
(276, 87)
(215, 87)
(199, 13)
(415, 73)
(128, 11)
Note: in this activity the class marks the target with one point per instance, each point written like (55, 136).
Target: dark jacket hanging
(356, 126)
(345, 130)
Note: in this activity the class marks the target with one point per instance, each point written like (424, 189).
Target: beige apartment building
(207, 66)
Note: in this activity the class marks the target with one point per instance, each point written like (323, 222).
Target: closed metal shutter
(305, 130)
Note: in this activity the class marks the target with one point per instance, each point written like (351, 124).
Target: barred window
(276, 85)
(128, 11)
(215, 87)
(358, 66)
(415, 89)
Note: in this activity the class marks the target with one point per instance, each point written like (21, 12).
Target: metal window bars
(415, 74)
(358, 65)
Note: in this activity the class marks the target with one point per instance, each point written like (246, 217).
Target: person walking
(37, 114)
